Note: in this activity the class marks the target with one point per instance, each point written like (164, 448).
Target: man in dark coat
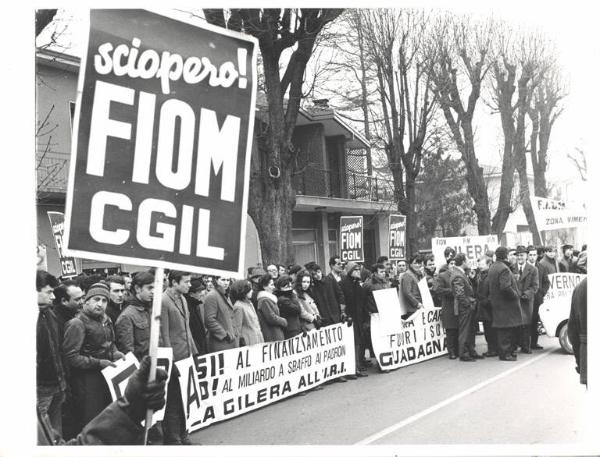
(116, 302)
(409, 285)
(377, 281)
(546, 266)
(443, 289)
(50, 374)
(354, 299)
(578, 329)
(68, 298)
(484, 308)
(197, 326)
(466, 304)
(528, 282)
(506, 309)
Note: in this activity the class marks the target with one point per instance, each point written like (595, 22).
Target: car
(554, 312)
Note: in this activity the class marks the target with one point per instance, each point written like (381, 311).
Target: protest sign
(162, 140)
(397, 237)
(351, 238)
(389, 307)
(421, 337)
(557, 302)
(222, 385)
(426, 298)
(117, 377)
(555, 214)
(471, 246)
(67, 264)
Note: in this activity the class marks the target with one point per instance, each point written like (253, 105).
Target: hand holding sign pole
(154, 332)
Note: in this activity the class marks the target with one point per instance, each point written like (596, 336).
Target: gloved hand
(343, 317)
(242, 341)
(304, 332)
(348, 321)
(141, 394)
(318, 323)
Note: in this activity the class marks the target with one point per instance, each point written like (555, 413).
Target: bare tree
(580, 162)
(394, 44)
(543, 112)
(272, 196)
(460, 48)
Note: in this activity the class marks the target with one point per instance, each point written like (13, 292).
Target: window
(305, 245)
(333, 242)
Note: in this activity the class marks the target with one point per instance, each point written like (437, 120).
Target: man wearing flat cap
(505, 301)
(528, 282)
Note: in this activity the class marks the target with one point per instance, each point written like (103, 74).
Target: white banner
(118, 377)
(555, 214)
(557, 302)
(226, 384)
(471, 246)
(389, 307)
(421, 337)
(426, 298)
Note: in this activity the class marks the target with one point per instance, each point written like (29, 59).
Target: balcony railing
(355, 186)
(52, 170)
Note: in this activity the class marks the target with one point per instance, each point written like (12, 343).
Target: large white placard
(222, 385)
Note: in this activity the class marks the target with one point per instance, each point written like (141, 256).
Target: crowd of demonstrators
(89, 322)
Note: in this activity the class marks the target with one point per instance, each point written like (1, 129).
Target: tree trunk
(278, 195)
(412, 238)
(525, 198)
(475, 181)
(364, 101)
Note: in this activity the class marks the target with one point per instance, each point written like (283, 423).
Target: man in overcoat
(355, 307)
(578, 329)
(528, 282)
(466, 305)
(504, 298)
(175, 332)
(484, 309)
(546, 266)
(443, 289)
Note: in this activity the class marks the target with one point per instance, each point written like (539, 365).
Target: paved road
(534, 400)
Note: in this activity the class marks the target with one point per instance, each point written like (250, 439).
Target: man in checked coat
(505, 300)
(528, 282)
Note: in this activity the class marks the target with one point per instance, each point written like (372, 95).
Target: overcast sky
(573, 26)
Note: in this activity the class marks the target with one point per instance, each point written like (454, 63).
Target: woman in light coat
(309, 316)
(245, 319)
(271, 323)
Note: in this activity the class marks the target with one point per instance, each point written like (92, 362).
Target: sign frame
(353, 220)
(117, 258)
(396, 219)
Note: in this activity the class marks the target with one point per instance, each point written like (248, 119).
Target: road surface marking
(431, 409)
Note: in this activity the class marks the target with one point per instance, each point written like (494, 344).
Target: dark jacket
(87, 341)
(113, 310)
(290, 309)
(354, 297)
(484, 307)
(578, 328)
(464, 295)
(567, 265)
(328, 297)
(63, 315)
(133, 328)
(528, 283)
(430, 275)
(409, 289)
(49, 363)
(271, 322)
(197, 325)
(545, 267)
(371, 285)
(443, 289)
(218, 312)
(504, 296)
